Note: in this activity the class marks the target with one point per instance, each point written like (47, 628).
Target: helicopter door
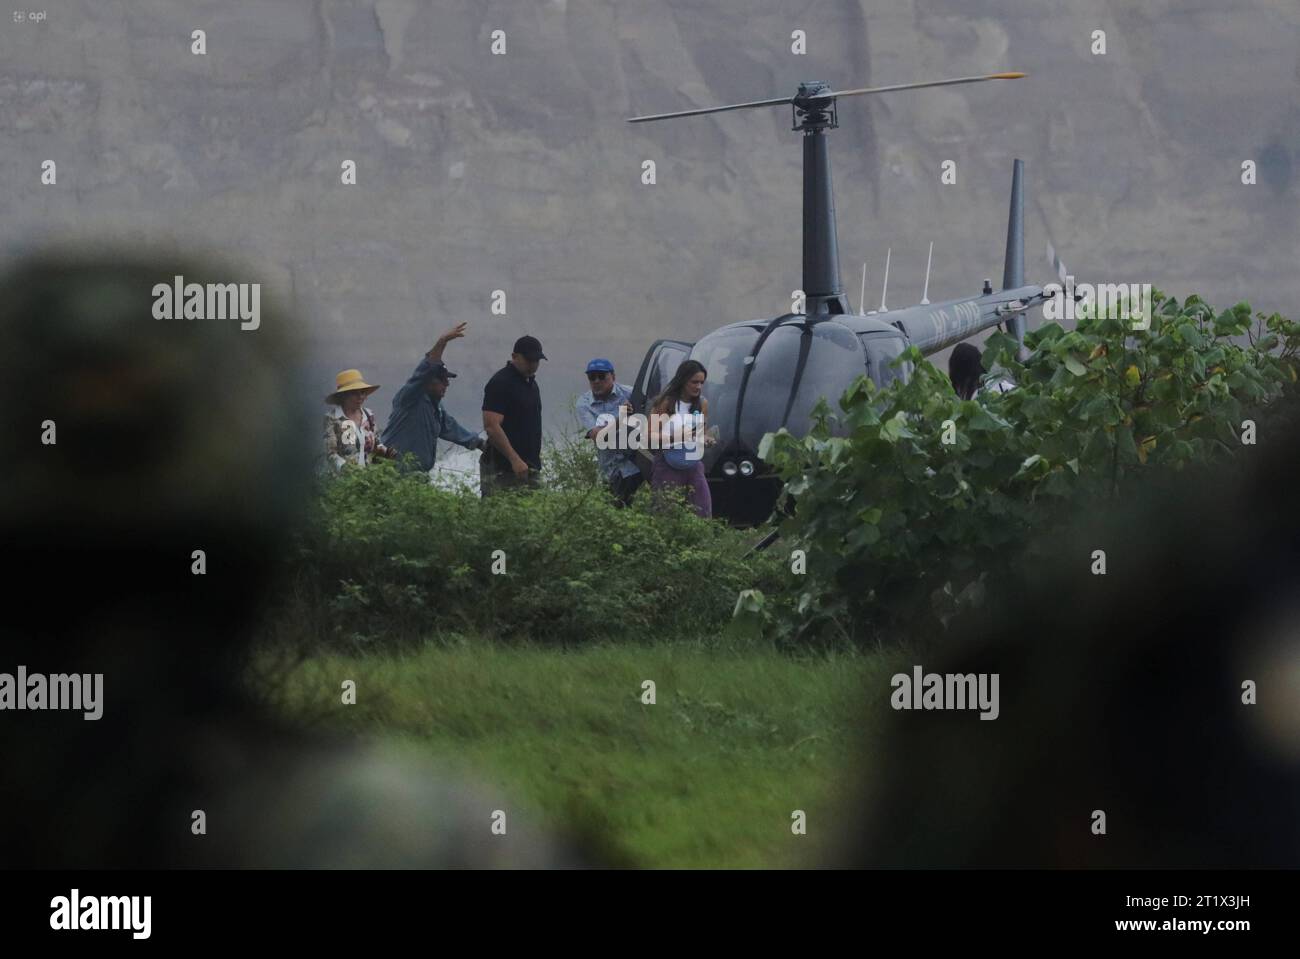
(772, 378)
(657, 369)
(835, 360)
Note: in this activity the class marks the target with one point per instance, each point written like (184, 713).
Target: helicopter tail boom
(936, 326)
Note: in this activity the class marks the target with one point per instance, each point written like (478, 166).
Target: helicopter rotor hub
(814, 109)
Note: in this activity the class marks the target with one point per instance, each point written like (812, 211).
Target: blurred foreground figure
(171, 436)
(1121, 693)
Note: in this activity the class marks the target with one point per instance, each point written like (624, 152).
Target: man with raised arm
(418, 419)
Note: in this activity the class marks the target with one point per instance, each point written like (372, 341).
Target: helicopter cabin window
(662, 368)
(768, 390)
(723, 355)
(835, 360)
(882, 349)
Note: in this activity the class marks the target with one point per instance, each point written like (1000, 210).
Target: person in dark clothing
(418, 419)
(965, 367)
(512, 416)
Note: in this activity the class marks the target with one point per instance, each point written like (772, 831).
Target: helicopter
(765, 374)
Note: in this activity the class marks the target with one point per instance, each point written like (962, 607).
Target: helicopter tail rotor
(1059, 268)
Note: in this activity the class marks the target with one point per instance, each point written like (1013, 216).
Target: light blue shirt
(589, 412)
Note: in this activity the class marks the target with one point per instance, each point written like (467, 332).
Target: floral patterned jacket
(345, 443)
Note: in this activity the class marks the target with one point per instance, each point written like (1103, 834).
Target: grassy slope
(708, 776)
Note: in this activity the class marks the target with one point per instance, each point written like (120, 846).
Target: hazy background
(518, 172)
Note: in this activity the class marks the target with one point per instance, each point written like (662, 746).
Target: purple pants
(661, 475)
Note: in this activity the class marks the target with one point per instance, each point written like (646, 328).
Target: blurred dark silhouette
(965, 367)
(174, 436)
(1120, 692)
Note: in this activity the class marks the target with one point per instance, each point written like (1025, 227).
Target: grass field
(708, 776)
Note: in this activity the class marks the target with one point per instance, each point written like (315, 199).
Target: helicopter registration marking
(963, 316)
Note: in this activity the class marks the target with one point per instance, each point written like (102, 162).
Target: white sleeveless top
(675, 427)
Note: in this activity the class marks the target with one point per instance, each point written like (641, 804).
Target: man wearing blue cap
(607, 397)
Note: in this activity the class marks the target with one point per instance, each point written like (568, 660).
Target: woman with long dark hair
(678, 414)
(965, 369)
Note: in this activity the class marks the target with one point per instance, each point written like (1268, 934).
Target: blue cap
(600, 366)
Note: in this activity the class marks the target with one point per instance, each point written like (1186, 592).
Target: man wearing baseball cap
(512, 416)
(418, 419)
(609, 399)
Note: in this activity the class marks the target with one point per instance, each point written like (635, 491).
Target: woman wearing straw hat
(350, 428)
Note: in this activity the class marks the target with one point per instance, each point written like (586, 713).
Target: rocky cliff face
(478, 172)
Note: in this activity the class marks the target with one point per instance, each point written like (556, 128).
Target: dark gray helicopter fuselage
(765, 375)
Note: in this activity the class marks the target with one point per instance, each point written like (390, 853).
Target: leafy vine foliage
(910, 502)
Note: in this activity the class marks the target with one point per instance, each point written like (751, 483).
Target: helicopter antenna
(925, 294)
(884, 289)
(862, 295)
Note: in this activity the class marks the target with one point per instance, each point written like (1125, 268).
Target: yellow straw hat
(347, 382)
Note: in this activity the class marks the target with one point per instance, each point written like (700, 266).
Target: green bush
(389, 557)
(912, 501)
(570, 463)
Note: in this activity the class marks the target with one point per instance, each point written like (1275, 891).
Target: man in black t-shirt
(512, 416)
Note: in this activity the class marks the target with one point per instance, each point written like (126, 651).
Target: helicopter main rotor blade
(779, 101)
(695, 113)
(917, 86)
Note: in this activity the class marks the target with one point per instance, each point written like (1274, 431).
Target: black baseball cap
(529, 347)
(439, 371)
